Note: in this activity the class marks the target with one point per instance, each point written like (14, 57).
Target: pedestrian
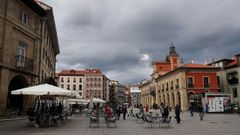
(124, 111)
(201, 113)
(119, 110)
(165, 113)
(161, 108)
(141, 111)
(146, 108)
(177, 112)
(191, 110)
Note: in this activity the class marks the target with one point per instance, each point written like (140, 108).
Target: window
(62, 80)
(162, 87)
(80, 80)
(167, 87)
(80, 87)
(177, 85)
(235, 92)
(24, 18)
(62, 86)
(74, 87)
(190, 82)
(80, 93)
(68, 80)
(206, 82)
(22, 47)
(218, 80)
(171, 87)
(68, 87)
(74, 80)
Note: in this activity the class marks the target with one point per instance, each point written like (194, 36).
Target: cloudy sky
(123, 37)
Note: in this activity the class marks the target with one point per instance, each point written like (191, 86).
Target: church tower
(173, 57)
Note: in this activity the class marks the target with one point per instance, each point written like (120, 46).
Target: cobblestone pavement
(213, 124)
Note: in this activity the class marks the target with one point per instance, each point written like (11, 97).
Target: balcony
(190, 85)
(24, 63)
(233, 81)
(177, 86)
(233, 78)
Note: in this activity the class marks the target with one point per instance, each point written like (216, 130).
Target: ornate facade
(175, 84)
(28, 41)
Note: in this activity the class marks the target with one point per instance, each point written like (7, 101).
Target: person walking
(165, 114)
(161, 109)
(119, 110)
(177, 112)
(124, 111)
(191, 110)
(201, 113)
(141, 111)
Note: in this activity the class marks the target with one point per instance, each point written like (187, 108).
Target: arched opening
(15, 102)
(164, 100)
(173, 100)
(179, 98)
(168, 100)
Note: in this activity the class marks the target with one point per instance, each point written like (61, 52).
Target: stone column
(4, 91)
(184, 99)
(171, 100)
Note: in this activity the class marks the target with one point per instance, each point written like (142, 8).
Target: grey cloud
(114, 35)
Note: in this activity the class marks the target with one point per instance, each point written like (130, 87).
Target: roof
(80, 72)
(35, 7)
(232, 64)
(220, 61)
(193, 65)
(51, 24)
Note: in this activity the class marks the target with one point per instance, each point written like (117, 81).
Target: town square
(119, 67)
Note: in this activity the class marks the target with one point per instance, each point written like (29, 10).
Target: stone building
(85, 83)
(173, 83)
(228, 76)
(28, 49)
(186, 83)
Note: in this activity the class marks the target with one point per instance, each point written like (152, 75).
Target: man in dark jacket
(177, 112)
(124, 111)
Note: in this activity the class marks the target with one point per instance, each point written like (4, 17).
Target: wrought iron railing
(24, 63)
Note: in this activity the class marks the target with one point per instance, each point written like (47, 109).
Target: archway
(16, 101)
(173, 100)
(179, 98)
(168, 100)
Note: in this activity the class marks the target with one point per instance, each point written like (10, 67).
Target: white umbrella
(79, 101)
(43, 89)
(96, 100)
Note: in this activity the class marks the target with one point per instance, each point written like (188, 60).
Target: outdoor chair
(93, 120)
(56, 120)
(148, 121)
(112, 120)
(140, 118)
(167, 123)
(133, 116)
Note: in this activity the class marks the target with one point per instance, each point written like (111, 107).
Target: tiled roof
(81, 72)
(234, 63)
(193, 65)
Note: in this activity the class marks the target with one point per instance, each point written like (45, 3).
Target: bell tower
(173, 57)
